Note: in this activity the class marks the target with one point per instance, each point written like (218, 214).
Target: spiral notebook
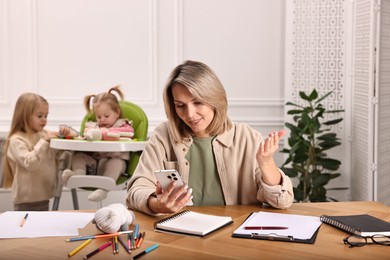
(192, 223)
(363, 225)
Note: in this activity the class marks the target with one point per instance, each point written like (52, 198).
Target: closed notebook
(192, 223)
(363, 225)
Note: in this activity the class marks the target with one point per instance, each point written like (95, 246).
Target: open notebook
(192, 223)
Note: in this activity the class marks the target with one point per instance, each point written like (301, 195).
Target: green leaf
(294, 111)
(335, 111)
(313, 95)
(292, 104)
(321, 180)
(333, 122)
(323, 97)
(330, 164)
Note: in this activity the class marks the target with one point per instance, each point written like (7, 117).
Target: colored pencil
(74, 251)
(98, 250)
(124, 245)
(24, 220)
(147, 250)
(72, 239)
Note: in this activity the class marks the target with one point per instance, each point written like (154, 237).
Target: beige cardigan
(235, 152)
(33, 164)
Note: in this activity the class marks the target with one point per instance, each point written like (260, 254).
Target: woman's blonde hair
(21, 123)
(110, 97)
(204, 85)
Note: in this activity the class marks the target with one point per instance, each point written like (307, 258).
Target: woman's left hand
(265, 158)
(269, 146)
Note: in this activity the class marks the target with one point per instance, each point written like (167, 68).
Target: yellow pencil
(74, 251)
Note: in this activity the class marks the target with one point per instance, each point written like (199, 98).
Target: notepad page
(299, 226)
(194, 223)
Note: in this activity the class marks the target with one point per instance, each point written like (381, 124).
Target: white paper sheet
(299, 226)
(42, 223)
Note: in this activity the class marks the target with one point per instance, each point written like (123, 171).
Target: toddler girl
(108, 120)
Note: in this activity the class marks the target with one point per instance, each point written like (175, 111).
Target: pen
(264, 227)
(24, 220)
(74, 251)
(98, 250)
(72, 239)
(147, 250)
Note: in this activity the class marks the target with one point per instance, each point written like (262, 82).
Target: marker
(264, 228)
(147, 250)
(24, 220)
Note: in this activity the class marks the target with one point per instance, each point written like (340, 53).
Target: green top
(204, 179)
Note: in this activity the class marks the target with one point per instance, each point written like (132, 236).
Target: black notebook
(296, 228)
(363, 225)
(192, 223)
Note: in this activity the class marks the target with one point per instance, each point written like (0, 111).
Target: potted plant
(309, 140)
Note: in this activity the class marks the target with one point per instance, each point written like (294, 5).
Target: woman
(224, 163)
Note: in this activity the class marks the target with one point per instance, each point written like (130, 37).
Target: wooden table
(218, 245)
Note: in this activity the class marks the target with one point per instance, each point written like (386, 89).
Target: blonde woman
(223, 163)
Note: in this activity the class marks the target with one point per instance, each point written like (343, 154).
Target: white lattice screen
(317, 60)
(383, 180)
(371, 110)
(363, 109)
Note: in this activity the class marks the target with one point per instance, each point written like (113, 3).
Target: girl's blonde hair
(106, 97)
(204, 85)
(21, 123)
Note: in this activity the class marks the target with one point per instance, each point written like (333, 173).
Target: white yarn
(113, 218)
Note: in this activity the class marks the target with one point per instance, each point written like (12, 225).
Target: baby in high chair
(109, 125)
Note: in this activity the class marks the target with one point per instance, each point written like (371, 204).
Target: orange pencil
(98, 236)
(141, 239)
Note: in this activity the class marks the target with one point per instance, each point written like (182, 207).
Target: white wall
(65, 50)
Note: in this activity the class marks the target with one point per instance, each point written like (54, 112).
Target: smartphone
(165, 177)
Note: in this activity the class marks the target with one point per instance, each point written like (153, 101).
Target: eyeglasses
(356, 240)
